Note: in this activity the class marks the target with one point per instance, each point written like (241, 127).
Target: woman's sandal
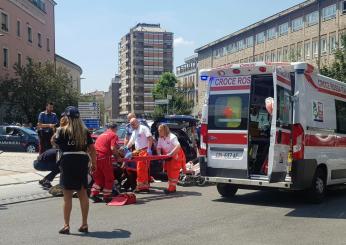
(83, 229)
(65, 230)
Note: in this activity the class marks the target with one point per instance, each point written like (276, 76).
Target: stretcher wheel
(226, 190)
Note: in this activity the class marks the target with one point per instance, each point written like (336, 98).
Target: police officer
(47, 120)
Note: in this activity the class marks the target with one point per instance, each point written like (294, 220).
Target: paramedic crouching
(143, 140)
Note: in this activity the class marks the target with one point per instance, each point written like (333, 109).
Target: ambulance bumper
(250, 182)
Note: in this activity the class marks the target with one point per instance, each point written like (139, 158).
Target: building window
(5, 57)
(285, 54)
(19, 59)
(312, 18)
(267, 57)
(240, 45)
(283, 29)
(48, 45)
(260, 37)
(297, 24)
(343, 7)
(232, 48)
(332, 43)
(29, 34)
(273, 56)
(4, 22)
(315, 48)
(324, 44)
(300, 51)
(271, 33)
(249, 42)
(307, 49)
(329, 12)
(279, 55)
(18, 28)
(39, 40)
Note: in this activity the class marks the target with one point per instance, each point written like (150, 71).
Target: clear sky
(88, 32)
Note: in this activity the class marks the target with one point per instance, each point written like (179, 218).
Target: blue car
(15, 138)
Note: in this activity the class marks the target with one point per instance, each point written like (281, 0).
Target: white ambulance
(273, 125)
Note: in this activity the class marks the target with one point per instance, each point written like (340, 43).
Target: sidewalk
(17, 168)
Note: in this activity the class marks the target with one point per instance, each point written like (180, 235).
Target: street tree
(337, 69)
(35, 85)
(178, 104)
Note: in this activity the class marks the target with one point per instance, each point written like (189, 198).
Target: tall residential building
(309, 31)
(74, 71)
(188, 79)
(28, 30)
(144, 54)
(112, 99)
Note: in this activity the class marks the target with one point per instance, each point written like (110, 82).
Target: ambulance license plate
(228, 155)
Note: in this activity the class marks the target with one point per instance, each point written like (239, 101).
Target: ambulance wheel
(317, 191)
(31, 149)
(226, 190)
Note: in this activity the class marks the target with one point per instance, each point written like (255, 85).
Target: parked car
(120, 132)
(15, 138)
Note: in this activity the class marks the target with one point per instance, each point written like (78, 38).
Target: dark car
(15, 138)
(184, 127)
(121, 132)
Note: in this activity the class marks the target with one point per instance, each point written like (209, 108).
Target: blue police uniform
(45, 134)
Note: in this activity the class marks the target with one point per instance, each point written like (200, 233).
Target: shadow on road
(156, 194)
(116, 233)
(332, 208)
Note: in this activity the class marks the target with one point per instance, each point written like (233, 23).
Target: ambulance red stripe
(233, 139)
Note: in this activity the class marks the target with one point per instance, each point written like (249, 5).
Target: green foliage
(337, 69)
(167, 86)
(36, 84)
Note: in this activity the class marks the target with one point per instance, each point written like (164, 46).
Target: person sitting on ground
(47, 161)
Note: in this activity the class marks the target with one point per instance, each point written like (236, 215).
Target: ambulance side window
(340, 107)
(284, 113)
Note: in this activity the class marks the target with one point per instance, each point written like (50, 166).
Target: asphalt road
(195, 215)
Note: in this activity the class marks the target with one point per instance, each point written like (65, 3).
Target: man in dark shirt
(47, 120)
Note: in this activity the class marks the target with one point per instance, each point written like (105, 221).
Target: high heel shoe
(84, 229)
(65, 230)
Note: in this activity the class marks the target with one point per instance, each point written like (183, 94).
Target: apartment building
(27, 29)
(74, 71)
(188, 79)
(309, 31)
(144, 54)
(112, 100)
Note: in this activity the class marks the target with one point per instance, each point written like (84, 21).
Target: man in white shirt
(142, 139)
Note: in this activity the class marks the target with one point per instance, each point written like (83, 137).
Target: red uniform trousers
(143, 172)
(103, 176)
(173, 167)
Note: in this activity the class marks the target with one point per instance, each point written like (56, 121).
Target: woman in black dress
(75, 143)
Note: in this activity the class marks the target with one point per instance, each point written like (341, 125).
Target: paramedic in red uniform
(106, 145)
(168, 144)
(143, 140)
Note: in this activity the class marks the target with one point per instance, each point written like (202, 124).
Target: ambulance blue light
(204, 78)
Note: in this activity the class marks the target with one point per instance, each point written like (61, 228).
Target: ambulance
(273, 125)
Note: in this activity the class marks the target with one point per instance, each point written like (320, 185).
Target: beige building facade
(309, 31)
(27, 29)
(187, 76)
(74, 71)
